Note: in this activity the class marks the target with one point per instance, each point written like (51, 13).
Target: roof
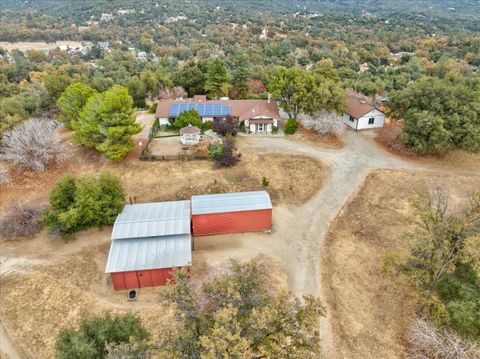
(230, 202)
(149, 253)
(152, 220)
(261, 120)
(243, 109)
(204, 109)
(358, 108)
(189, 129)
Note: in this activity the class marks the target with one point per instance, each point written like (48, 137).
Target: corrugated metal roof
(149, 253)
(152, 220)
(230, 202)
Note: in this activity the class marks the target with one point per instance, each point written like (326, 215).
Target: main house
(258, 116)
(361, 115)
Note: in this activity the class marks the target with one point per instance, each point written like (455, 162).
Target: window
(371, 120)
(352, 119)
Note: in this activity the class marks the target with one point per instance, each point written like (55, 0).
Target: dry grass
(292, 179)
(50, 284)
(311, 137)
(368, 313)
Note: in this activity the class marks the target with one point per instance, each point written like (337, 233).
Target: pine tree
(217, 79)
(107, 123)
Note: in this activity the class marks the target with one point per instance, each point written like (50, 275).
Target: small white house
(190, 135)
(361, 115)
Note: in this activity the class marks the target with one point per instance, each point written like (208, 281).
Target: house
(148, 241)
(258, 116)
(190, 135)
(231, 213)
(361, 114)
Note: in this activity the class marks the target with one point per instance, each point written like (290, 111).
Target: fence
(181, 157)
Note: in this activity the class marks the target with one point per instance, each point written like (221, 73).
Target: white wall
(207, 119)
(346, 121)
(163, 121)
(378, 122)
(362, 122)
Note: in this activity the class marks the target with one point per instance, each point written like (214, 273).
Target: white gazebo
(190, 135)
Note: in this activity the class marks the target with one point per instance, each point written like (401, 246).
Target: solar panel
(204, 109)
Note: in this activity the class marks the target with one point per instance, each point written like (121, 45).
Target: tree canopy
(238, 313)
(72, 101)
(306, 91)
(439, 114)
(107, 123)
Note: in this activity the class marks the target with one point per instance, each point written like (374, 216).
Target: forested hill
(378, 7)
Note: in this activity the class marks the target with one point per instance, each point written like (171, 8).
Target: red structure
(231, 213)
(142, 278)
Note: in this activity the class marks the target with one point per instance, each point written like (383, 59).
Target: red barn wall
(141, 278)
(232, 222)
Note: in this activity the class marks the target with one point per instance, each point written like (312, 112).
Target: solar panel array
(204, 109)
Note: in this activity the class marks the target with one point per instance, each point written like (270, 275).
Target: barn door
(145, 279)
(131, 280)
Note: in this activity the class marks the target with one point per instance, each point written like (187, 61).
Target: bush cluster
(82, 202)
(21, 221)
(291, 126)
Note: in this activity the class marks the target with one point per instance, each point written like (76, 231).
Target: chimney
(269, 96)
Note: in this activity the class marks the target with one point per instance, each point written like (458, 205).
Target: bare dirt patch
(367, 312)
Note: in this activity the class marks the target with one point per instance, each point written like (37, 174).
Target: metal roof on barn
(152, 220)
(230, 202)
(149, 253)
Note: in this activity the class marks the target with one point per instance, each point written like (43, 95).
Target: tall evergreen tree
(107, 123)
(217, 79)
(72, 101)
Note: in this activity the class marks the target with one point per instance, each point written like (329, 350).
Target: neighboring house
(149, 240)
(361, 115)
(258, 116)
(190, 135)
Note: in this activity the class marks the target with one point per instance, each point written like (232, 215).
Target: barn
(148, 241)
(231, 213)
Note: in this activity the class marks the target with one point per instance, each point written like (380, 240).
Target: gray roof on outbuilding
(149, 253)
(152, 220)
(230, 202)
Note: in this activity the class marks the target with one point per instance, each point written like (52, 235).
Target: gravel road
(300, 230)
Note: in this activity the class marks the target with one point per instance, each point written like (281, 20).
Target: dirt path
(303, 231)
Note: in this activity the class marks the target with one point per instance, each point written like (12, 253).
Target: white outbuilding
(190, 135)
(362, 115)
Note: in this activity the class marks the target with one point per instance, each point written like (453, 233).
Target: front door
(260, 128)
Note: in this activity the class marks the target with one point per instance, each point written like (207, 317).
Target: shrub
(95, 335)
(33, 144)
(82, 202)
(225, 126)
(188, 117)
(291, 126)
(153, 108)
(428, 342)
(265, 182)
(225, 155)
(21, 221)
(323, 122)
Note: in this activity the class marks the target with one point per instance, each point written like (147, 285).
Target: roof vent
(363, 101)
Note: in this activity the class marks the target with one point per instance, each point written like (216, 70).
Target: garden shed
(149, 240)
(231, 213)
(190, 135)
